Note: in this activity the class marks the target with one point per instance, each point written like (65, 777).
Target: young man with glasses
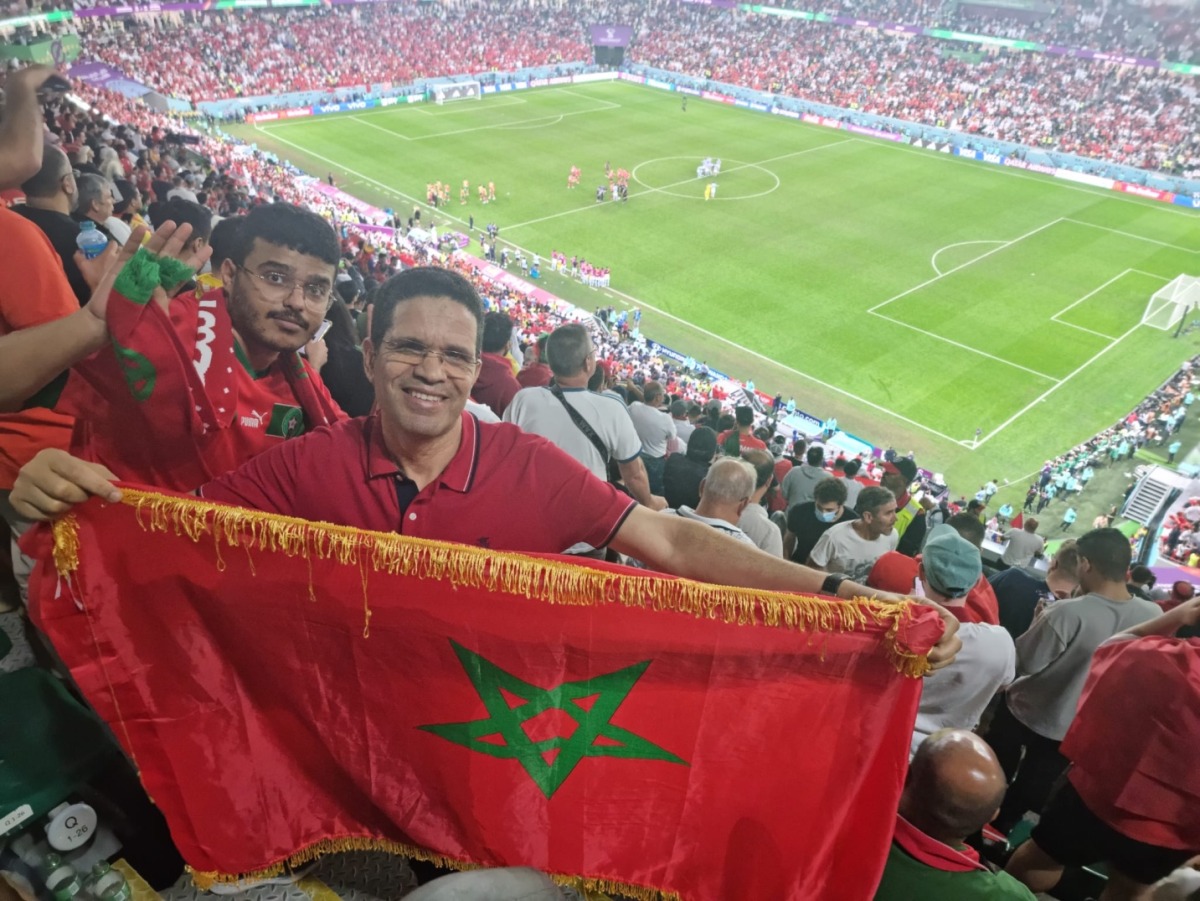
(192, 386)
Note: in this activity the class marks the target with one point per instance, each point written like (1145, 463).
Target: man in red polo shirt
(1132, 796)
(423, 467)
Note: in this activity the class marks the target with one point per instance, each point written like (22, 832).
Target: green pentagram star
(549, 761)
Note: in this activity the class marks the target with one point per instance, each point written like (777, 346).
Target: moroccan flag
(288, 689)
(1019, 521)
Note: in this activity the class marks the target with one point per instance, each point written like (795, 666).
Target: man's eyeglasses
(413, 353)
(277, 287)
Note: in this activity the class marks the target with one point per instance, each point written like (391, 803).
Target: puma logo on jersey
(254, 420)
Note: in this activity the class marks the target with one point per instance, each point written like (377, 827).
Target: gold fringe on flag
(551, 581)
(204, 880)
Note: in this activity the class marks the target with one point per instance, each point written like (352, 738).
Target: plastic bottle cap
(71, 826)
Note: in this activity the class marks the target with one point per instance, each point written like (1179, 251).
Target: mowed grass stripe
(790, 275)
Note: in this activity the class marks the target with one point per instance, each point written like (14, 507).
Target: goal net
(1169, 304)
(449, 91)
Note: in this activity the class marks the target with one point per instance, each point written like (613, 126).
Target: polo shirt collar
(458, 475)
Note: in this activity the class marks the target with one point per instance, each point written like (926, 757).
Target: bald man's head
(954, 787)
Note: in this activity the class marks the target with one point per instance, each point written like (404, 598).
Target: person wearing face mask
(850, 550)
(808, 521)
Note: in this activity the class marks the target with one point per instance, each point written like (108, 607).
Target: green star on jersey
(589, 703)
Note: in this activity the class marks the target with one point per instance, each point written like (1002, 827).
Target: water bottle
(61, 879)
(90, 240)
(107, 884)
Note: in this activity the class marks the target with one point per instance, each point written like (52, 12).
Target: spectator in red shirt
(214, 379)
(496, 385)
(744, 433)
(536, 373)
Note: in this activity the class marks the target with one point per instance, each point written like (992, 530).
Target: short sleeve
(578, 506)
(823, 552)
(627, 445)
(41, 290)
(1041, 645)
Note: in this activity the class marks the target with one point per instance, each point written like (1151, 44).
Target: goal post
(1170, 303)
(444, 92)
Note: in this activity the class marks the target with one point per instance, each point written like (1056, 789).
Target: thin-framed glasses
(413, 353)
(277, 287)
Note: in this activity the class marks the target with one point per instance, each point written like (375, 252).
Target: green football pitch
(917, 296)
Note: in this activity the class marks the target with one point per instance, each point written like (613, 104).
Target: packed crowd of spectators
(712, 493)
(1154, 30)
(1141, 117)
(237, 54)
(1137, 116)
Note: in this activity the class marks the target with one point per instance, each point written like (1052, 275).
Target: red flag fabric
(1019, 521)
(287, 689)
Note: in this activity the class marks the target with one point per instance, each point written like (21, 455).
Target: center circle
(678, 182)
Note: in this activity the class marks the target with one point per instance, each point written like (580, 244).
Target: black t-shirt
(681, 481)
(348, 384)
(160, 187)
(61, 230)
(1017, 594)
(803, 523)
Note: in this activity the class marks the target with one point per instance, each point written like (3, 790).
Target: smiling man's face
(425, 399)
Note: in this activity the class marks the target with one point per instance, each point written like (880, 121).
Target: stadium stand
(1129, 115)
(1136, 116)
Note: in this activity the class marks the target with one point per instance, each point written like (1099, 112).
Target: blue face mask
(825, 517)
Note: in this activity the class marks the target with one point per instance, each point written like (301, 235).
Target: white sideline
(942, 275)
(1041, 397)
(972, 445)
(662, 189)
(1090, 294)
(1102, 193)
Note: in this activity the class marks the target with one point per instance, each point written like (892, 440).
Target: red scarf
(929, 851)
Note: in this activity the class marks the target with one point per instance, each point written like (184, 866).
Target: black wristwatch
(832, 582)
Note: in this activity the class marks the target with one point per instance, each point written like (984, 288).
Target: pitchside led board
(609, 43)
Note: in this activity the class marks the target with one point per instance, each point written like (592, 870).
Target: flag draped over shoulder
(287, 689)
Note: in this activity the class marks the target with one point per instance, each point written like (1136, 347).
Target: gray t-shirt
(1022, 547)
(539, 412)
(841, 550)
(799, 483)
(1053, 657)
